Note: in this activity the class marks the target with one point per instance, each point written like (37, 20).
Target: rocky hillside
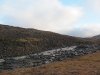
(16, 41)
(84, 65)
(45, 57)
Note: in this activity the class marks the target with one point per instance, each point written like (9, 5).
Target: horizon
(47, 31)
(78, 18)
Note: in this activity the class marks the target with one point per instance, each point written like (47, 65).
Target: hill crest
(16, 41)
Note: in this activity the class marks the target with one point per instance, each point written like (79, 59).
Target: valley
(25, 51)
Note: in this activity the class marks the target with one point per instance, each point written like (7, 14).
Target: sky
(79, 18)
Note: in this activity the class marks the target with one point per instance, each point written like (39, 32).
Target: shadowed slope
(97, 37)
(16, 41)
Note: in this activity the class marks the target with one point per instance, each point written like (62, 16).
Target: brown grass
(84, 65)
(16, 41)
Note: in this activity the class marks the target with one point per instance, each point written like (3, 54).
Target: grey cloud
(48, 15)
(87, 30)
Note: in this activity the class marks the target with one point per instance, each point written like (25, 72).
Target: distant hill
(16, 41)
(97, 37)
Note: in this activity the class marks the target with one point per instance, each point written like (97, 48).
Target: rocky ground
(38, 59)
(88, 64)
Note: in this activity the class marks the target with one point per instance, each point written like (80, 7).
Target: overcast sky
(71, 17)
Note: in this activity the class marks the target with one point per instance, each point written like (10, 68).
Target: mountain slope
(16, 41)
(97, 37)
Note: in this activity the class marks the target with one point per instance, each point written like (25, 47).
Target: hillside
(84, 65)
(97, 37)
(16, 41)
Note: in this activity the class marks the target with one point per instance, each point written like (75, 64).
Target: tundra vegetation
(88, 64)
(24, 48)
(16, 41)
